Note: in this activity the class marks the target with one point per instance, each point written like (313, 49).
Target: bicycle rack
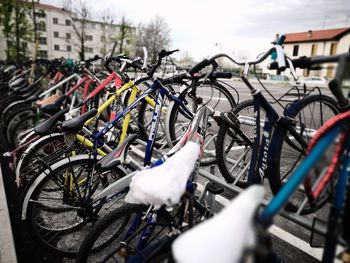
(298, 219)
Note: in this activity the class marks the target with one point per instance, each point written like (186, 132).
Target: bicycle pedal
(215, 189)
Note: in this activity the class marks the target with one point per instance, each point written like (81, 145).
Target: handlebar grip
(96, 57)
(171, 52)
(199, 66)
(302, 62)
(137, 64)
(162, 54)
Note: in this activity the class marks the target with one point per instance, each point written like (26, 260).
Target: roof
(317, 35)
(49, 7)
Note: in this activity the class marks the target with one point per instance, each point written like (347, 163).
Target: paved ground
(293, 245)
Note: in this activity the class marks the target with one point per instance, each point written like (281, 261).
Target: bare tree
(154, 36)
(107, 33)
(80, 13)
(126, 31)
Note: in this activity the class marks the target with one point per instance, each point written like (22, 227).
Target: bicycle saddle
(21, 89)
(224, 237)
(26, 88)
(76, 124)
(54, 107)
(45, 127)
(19, 82)
(166, 183)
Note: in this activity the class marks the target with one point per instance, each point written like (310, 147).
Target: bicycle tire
(15, 123)
(61, 228)
(223, 101)
(27, 164)
(13, 111)
(229, 152)
(106, 226)
(277, 163)
(8, 100)
(23, 125)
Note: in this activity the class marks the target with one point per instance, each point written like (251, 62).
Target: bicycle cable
(268, 92)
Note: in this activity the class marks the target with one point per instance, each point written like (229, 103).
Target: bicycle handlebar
(343, 61)
(198, 67)
(95, 58)
(139, 63)
(162, 54)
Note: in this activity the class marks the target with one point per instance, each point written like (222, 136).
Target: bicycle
(262, 150)
(82, 181)
(142, 223)
(251, 238)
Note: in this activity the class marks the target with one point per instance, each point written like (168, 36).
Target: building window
(68, 35)
(88, 49)
(41, 26)
(103, 38)
(57, 47)
(42, 54)
(55, 34)
(313, 49)
(55, 20)
(40, 13)
(295, 50)
(69, 48)
(42, 40)
(93, 26)
(68, 23)
(333, 50)
(88, 38)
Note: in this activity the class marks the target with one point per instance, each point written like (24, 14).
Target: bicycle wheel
(120, 233)
(47, 150)
(13, 111)
(212, 94)
(20, 128)
(233, 153)
(57, 215)
(14, 122)
(285, 154)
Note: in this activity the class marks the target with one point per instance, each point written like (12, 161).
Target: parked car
(311, 82)
(277, 77)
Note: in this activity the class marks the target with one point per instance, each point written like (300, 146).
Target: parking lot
(289, 239)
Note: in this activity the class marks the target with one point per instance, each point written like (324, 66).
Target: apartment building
(318, 43)
(57, 37)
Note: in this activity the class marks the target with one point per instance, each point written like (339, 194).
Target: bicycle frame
(195, 132)
(260, 151)
(282, 197)
(163, 91)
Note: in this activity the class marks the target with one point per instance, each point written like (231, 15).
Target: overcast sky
(205, 27)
